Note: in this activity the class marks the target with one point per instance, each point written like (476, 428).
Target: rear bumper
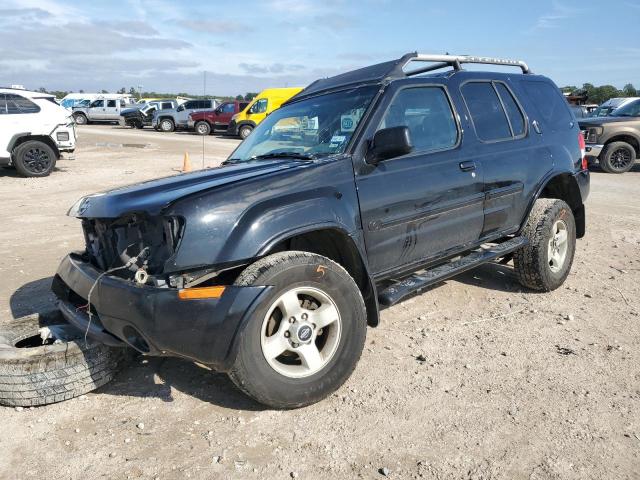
(154, 320)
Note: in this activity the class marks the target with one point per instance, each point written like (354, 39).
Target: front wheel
(203, 128)
(545, 262)
(245, 131)
(306, 336)
(618, 157)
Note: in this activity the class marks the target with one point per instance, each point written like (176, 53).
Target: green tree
(250, 96)
(629, 90)
(122, 90)
(103, 91)
(239, 97)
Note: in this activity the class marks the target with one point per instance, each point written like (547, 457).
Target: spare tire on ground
(34, 371)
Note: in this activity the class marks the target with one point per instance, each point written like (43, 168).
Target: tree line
(602, 93)
(134, 93)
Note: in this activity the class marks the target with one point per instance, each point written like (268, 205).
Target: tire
(81, 119)
(167, 125)
(202, 128)
(245, 131)
(34, 158)
(138, 125)
(618, 157)
(537, 265)
(285, 381)
(39, 375)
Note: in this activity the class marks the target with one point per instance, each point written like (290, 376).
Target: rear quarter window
(549, 103)
(19, 104)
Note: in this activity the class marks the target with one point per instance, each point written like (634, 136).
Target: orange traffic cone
(186, 163)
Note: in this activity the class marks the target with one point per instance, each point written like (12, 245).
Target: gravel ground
(475, 379)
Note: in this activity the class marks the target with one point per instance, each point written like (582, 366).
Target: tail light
(583, 150)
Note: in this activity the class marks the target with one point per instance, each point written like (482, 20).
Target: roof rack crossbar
(441, 61)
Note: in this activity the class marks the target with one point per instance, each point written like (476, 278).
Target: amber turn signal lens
(199, 293)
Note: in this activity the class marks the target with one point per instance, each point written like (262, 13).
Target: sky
(165, 46)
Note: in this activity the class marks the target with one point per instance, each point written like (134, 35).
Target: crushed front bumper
(154, 320)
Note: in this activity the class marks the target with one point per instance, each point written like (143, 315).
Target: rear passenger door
(111, 110)
(511, 154)
(417, 206)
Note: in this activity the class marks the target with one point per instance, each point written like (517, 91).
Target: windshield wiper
(229, 161)
(299, 155)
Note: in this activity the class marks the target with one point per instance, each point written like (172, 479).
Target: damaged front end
(136, 246)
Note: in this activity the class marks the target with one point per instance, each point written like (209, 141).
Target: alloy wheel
(300, 332)
(558, 246)
(36, 160)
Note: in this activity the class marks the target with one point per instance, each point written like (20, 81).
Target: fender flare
(576, 203)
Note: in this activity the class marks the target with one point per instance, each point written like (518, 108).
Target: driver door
(96, 110)
(417, 206)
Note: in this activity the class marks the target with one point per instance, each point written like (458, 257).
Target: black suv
(363, 189)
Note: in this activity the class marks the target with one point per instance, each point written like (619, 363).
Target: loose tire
(33, 374)
(167, 125)
(545, 262)
(34, 158)
(81, 119)
(618, 157)
(305, 337)
(245, 131)
(203, 128)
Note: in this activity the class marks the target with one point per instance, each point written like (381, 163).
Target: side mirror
(180, 108)
(389, 143)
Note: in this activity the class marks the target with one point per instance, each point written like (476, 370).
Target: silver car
(178, 118)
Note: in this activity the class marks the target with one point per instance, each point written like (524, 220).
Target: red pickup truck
(206, 121)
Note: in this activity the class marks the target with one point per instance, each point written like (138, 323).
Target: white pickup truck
(104, 109)
(34, 131)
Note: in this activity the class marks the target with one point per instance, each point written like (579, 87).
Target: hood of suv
(597, 121)
(153, 196)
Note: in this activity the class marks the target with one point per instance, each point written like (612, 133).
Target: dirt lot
(516, 385)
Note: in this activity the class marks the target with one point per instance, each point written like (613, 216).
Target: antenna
(204, 94)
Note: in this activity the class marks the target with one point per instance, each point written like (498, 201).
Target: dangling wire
(132, 261)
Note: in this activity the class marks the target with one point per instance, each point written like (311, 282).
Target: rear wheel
(167, 125)
(34, 159)
(618, 157)
(307, 334)
(545, 262)
(80, 118)
(245, 131)
(203, 128)
(138, 124)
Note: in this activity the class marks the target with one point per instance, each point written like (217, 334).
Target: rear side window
(516, 118)
(167, 106)
(18, 104)
(3, 105)
(549, 103)
(111, 103)
(487, 114)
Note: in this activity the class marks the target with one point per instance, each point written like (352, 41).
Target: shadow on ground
(153, 377)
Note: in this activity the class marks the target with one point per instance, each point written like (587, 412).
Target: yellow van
(243, 123)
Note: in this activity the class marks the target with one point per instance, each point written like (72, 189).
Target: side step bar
(416, 282)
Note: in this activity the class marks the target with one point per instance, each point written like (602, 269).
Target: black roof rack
(394, 69)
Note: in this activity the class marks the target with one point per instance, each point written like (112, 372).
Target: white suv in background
(34, 130)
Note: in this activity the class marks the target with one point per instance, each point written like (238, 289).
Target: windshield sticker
(310, 123)
(338, 139)
(348, 123)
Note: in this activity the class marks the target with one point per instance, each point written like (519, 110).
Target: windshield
(629, 110)
(311, 128)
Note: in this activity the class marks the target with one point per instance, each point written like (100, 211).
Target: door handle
(536, 126)
(467, 166)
